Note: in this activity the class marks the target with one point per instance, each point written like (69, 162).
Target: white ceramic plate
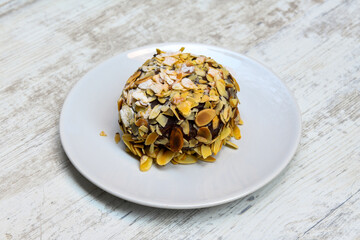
(270, 135)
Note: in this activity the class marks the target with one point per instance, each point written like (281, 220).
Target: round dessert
(179, 107)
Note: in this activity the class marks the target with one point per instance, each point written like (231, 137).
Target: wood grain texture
(47, 46)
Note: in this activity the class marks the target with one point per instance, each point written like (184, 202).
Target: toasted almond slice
(209, 78)
(240, 121)
(201, 139)
(130, 146)
(200, 72)
(235, 83)
(205, 133)
(143, 129)
(207, 104)
(117, 138)
(141, 122)
(162, 100)
(213, 72)
(145, 163)
(233, 102)
(230, 144)
(138, 151)
(176, 139)
(236, 132)
(155, 112)
(127, 137)
(215, 122)
(204, 117)
(162, 120)
(187, 159)
(173, 109)
(205, 98)
(186, 143)
(157, 130)
(164, 157)
(184, 108)
(185, 127)
(205, 151)
(151, 138)
(198, 150)
(193, 142)
(188, 83)
(225, 132)
(133, 77)
(119, 102)
(221, 88)
(216, 146)
(208, 159)
(169, 61)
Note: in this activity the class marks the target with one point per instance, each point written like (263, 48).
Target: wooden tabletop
(47, 46)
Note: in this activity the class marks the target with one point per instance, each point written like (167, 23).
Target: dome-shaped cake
(179, 107)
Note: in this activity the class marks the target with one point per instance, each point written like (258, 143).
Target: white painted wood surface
(47, 46)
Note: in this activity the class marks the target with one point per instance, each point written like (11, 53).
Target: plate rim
(205, 204)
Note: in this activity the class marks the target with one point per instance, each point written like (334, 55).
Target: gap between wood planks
(328, 214)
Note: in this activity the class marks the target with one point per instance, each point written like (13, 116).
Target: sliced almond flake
(152, 128)
(204, 117)
(162, 100)
(209, 78)
(145, 163)
(177, 86)
(138, 152)
(200, 60)
(164, 108)
(208, 159)
(146, 84)
(187, 69)
(187, 83)
(184, 108)
(207, 104)
(213, 72)
(230, 144)
(186, 143)
(193, 142)
(119, 102)
(126, 114)
(198, 150)
(221, 88)
(133, 77)
(185, 127)
(191, 117)
(215, 122)
(151, 138)
(187, 159)
(236, 132)
(162, 141)
(162, 120)
(205, 98)
(143, 129)
(173, 108)
(233, 102)
(169, 61)
(117, 138)
(155, 112)
(225, 133)
(164, 157)
(205, 151)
